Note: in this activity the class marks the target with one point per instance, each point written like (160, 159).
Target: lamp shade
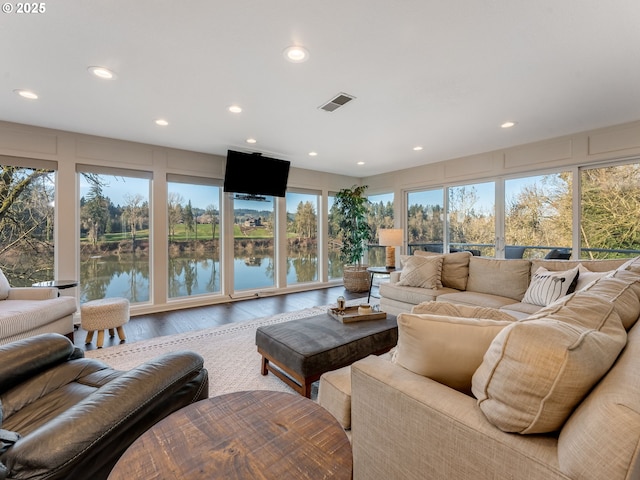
(390, 237)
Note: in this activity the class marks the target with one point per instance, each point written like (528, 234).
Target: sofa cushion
(475, 299)
(458, 310)
(455, 268)
(506, 278)
(423, 272)
(537, 370)
(444, 348)
(546, 287)
(4, 286)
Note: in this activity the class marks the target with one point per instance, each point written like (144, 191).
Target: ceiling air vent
(338, 101)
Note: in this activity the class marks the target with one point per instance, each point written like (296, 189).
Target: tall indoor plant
(352, 205)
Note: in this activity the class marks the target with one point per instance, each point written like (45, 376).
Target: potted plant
(351, 205)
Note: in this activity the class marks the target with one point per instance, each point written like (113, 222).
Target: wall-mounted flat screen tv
(254, 175)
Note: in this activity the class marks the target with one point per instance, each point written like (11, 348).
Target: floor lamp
(390, 238)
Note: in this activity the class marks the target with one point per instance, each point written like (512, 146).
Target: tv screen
(253, 174)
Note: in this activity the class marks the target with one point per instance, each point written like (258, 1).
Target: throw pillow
(620, 292)
(455, 268)
(536, 371)
(4, 286)
(546, 287)
(443, 348)
(424, 272)
(586, 276)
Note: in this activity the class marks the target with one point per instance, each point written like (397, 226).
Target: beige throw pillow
(546, 287)
(586, 277)
(537, 370)
(455, 268)
(424, 272)
(443, 348)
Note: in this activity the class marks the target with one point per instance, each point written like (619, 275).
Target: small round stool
(103, 314)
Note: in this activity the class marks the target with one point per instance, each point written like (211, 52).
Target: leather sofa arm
(109, 420)
(32, 293)
(22, 359)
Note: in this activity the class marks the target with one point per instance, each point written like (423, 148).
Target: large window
(26, 224)
(610, 208)
(193, 214)
(114, 236)
(335, 242)
(538, 215)
(472, 220)
(253, 232)
(302, 237)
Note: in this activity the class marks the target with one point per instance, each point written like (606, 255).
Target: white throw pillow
(4, 286)
(443, 348)
(546, 287)
(424, 272)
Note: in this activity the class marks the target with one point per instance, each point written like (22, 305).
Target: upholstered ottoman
(104, 314)
(300, 351)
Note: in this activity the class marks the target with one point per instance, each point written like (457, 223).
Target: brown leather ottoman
(300, 351)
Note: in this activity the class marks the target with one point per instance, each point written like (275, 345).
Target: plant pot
(356, 278)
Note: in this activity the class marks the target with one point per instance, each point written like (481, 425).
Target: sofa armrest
(394, 277)
(24, 358)
(32, 293)
(411, 427)
(88, 438)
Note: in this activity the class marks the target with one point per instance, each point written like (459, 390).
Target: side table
(59, 284)
(242, 435)
(378, 271)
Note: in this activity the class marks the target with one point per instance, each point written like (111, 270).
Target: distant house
(253, 222)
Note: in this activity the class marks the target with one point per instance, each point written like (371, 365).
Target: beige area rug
(229, 352)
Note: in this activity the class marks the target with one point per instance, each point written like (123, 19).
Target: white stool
(103, 314)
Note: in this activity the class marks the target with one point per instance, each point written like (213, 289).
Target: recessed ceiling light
(26, 94)
(235, 109)
(102, 72)
(251, 140)
(162, 122)
(417, 148)
(313, 154)
(296, 54)
(508, 124)
(360, 162)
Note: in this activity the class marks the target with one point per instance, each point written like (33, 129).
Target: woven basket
(356, 278)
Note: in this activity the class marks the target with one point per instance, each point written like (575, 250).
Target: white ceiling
(441, 74)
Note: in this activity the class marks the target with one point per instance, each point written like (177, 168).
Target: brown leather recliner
(76, 416)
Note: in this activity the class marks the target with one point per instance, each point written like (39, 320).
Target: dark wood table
(257, 435)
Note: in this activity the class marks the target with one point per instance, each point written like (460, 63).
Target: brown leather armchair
(76, 416)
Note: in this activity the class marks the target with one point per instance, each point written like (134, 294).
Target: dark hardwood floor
(143, 327)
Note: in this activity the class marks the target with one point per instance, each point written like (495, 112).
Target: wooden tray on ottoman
(350, 314)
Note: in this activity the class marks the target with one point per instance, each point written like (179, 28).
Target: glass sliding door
(471, 214)
(114, 235)
(610, 206)
(302, 237)
(193, 214)
(538, 215)
(425, 220)
(254, 243)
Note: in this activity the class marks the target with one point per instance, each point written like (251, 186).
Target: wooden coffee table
(244, 435)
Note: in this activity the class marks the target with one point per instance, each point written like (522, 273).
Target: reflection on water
(127, 275)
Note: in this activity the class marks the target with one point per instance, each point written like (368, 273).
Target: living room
(431, 87)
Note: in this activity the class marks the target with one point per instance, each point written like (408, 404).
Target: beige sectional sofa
(29, 311)
(479, 281)
(487, 392)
